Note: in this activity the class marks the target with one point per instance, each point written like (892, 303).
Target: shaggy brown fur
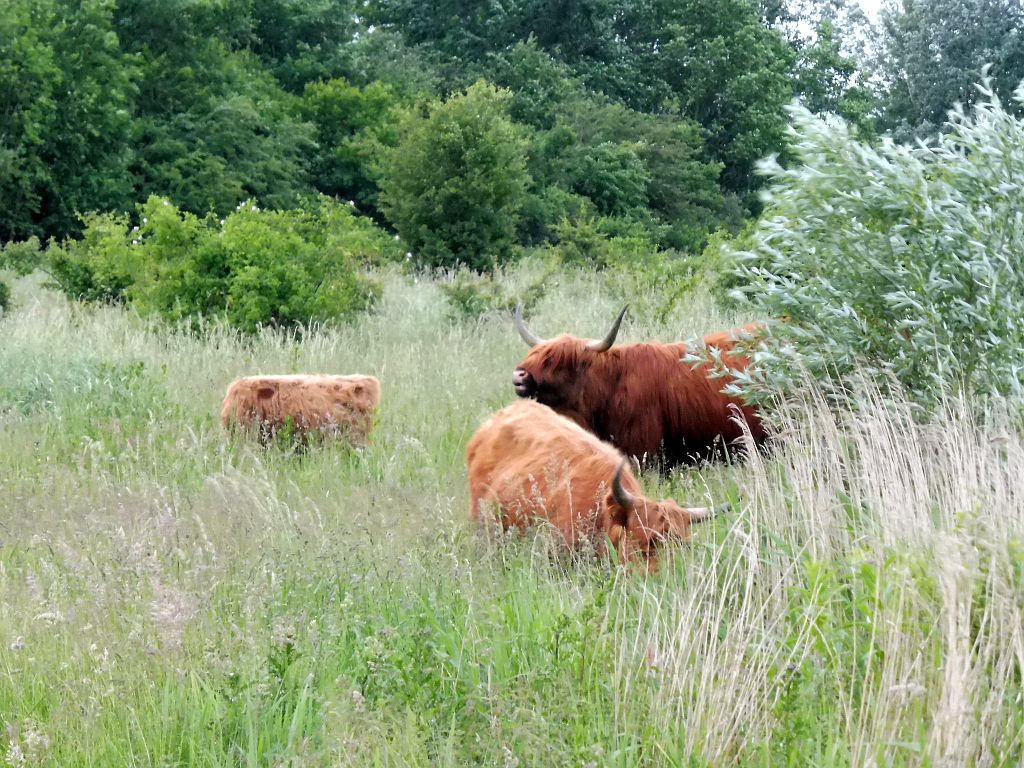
(340, 406)
(530, 463)
(641, 397)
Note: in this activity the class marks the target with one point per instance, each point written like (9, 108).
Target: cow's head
(554, 371)
(650, 522)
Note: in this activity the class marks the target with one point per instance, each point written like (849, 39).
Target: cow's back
(336, 404)
(528, 462)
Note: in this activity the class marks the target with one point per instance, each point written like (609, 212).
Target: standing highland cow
(640, 397)
(338, 406)
(528, 463)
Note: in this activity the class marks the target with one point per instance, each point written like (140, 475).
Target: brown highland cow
(337, 406)
(527, 463)
(640, 397)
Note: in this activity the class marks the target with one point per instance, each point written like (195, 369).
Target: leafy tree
(303, 41)
(348, 119)
(830, 41)
(455, 184)
(713, 61)
(730, 74)
(214, 127)
(65, 92)
(591, 156)
(933, 53)
(901, 259)
(541, 85)
(384, 55)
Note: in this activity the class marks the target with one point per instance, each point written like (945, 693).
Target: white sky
(871, 8)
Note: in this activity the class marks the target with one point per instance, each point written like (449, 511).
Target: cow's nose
(519, 377)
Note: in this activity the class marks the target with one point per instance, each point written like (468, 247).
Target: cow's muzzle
(523, 383)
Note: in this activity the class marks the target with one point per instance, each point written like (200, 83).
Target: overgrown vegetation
(169, 596)
(253, 268)
(227, 188)
(901, 261)
(653, 114)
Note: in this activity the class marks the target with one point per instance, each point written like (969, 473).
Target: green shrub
(603, 241)
(253, 268)
(347, 118)
(471, 295)
(5, 297)
(903, 259)
(22, 256)
(455, 184)
(103, 265)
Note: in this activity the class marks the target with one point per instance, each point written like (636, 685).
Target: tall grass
(170, 597)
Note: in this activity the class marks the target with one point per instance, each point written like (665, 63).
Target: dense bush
(470, 294)
(905, 259)
(454, 185)
(254, 267)
(347, 120)
(602, 241)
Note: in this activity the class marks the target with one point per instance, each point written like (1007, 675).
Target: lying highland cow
(527, 463)
(337, 406)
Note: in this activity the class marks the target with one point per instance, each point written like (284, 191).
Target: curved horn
(606, 343)
(622, 496)
(701, 514)
(529, 336)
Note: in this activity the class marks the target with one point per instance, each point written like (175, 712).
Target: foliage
(454, 185)
(5, 297)
(302, 41)
(103, 264)
(470, 295)
(214, 126)
(713, 62)
(651, 110)
(348, 120)
(731, 75)
(903, 259)
(65, 96)
(933, 52)
(339, 608)
(602, 241)
(589, 155)
(384, 55)
(254, 268)
(21, 256)
(827, 80)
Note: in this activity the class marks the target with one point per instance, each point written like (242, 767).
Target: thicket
(455, 184)
(607, 128)
(902, 261)
(253, 268)
(104, 103)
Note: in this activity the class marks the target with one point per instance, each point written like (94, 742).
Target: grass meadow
(170, 597)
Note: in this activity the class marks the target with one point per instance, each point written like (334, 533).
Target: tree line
(470, 128)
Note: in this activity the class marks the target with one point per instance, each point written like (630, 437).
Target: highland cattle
(527, 463)
(341, 407)
(643, 398)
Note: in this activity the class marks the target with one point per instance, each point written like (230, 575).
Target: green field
(169, 597)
